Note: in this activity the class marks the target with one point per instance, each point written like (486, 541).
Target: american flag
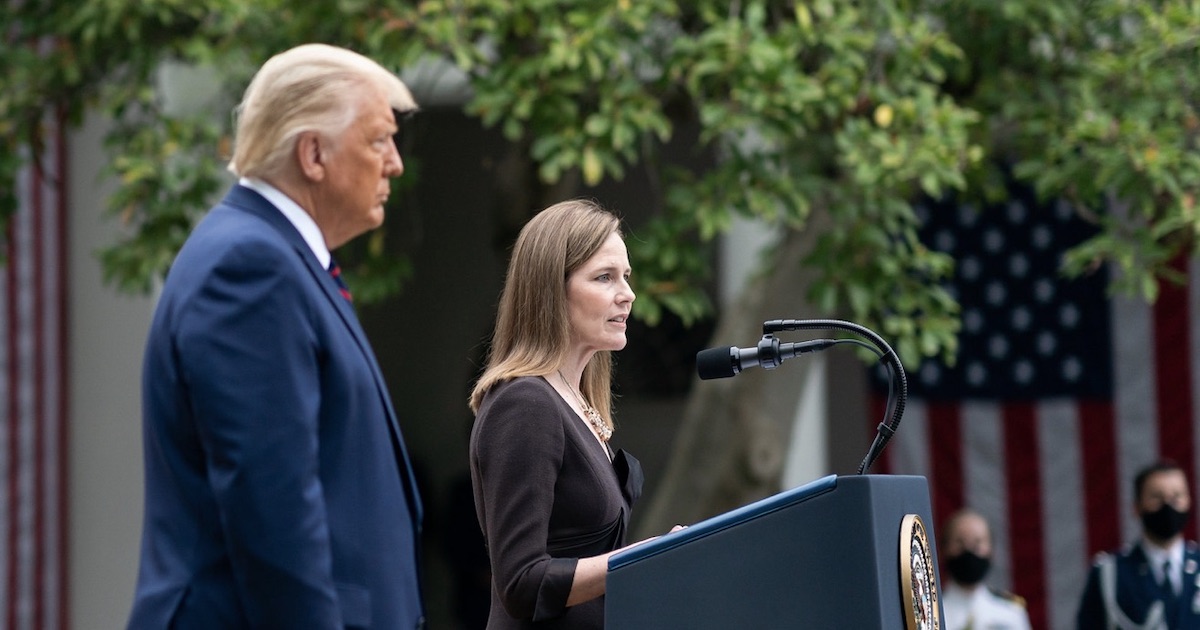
(33, 395)
(1060, 394)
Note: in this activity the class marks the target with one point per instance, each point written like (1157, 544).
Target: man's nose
(393, 165)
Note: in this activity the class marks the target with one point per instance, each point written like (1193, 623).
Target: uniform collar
(1156, 556)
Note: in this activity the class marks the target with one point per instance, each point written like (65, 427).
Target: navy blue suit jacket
(1137, 590)
(278, 490)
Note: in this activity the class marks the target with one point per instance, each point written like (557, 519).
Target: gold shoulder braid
(1009, 597)
(589, 412)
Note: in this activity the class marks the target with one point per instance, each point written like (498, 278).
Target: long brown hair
(533, 331)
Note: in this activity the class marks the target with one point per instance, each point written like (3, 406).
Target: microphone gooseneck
(886, 429)
(769, 353)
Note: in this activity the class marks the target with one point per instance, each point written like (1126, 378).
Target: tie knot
(1167, 578)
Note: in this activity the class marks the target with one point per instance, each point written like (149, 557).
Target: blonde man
(279, 493)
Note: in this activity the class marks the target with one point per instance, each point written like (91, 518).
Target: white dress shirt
(1158, 556)
(295, 214)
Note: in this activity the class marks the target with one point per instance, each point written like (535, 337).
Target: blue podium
(850, 552)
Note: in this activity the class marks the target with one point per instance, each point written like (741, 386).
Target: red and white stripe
(33, 394)
(1054, 477)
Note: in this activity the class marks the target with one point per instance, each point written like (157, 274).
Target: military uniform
(982, 608)
(1122, 592)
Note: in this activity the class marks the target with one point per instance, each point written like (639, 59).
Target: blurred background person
(966, 600)
(1152, 583)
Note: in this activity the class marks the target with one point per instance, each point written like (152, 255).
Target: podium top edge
(724, 521)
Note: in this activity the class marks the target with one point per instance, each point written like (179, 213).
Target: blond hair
(313, 87)
(533, 332)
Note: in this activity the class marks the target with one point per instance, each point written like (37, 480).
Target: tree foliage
(855, 109)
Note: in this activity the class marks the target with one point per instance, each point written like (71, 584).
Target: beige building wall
(106, 335)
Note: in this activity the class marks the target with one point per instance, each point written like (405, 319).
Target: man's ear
(310, 157)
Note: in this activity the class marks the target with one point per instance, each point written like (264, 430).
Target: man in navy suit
(278, 490)
(1152, 584)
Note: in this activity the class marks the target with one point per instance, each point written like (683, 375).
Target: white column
(106, 337)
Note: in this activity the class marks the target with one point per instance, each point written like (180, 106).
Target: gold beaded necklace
(593, 417)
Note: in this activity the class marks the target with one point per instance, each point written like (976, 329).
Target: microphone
(769, 353)
(713, 367)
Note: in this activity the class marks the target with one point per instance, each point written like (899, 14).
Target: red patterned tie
(336, 272)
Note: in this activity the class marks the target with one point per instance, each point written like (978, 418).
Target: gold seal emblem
(918, 577)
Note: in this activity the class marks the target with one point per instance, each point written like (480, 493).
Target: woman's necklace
(593, 417)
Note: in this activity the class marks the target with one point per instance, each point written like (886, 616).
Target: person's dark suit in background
(1154, 583)
(278, 490)
(466, 552)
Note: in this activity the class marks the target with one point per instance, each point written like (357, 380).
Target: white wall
(807, 455)
(106, 336)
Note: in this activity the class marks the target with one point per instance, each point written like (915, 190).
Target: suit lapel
(1178, 611)
(245, 199)
(1149, 589)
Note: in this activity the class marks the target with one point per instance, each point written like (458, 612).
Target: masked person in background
(968, 603)
(1151, 584)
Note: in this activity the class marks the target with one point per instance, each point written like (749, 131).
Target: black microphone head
(715, 363)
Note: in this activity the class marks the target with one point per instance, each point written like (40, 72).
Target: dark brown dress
(546, 495)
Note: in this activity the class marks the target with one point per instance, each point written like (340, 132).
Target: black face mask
(967, 568)
(1164, 522)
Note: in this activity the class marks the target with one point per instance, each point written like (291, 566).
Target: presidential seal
(918, 577)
